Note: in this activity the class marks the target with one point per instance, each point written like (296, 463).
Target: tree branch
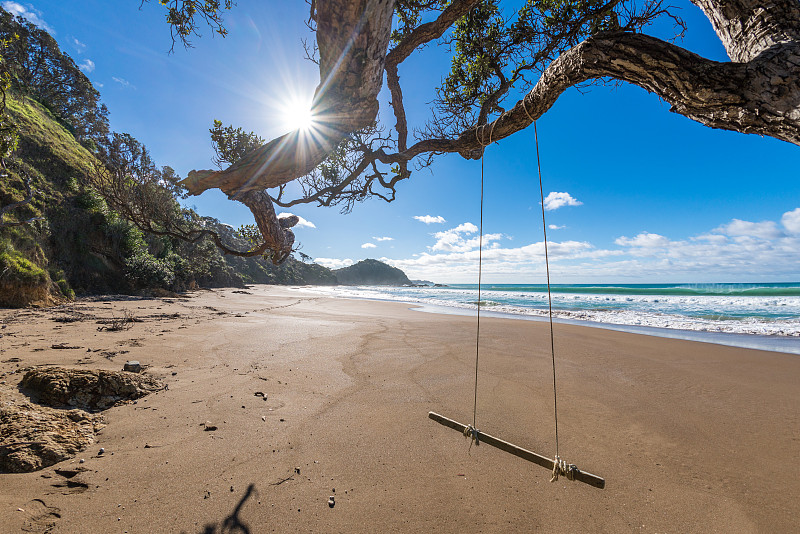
(730, 96)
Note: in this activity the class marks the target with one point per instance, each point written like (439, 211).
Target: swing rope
(549, 297)
(472, 430)
(559, 466)
(478, 329)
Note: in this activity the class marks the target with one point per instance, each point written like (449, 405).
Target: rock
(87, 389)
(331, 501)
(208, 427)
(132, 366)
(33, 437)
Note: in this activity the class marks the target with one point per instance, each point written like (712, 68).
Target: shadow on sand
(232, 523)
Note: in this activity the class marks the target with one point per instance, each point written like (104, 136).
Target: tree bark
(749, 27)
(761, 96)
(278, 237)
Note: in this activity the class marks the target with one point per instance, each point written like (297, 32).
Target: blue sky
(639, 194)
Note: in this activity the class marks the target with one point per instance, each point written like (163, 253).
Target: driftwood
(582, 476)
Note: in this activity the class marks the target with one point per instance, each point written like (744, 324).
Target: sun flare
(297, 115)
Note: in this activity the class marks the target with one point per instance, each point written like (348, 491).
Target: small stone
(331, 501)
(82, 461)
(18, 509)
(174, 373)
(102, 450)
(263, 417)
(209, 427)
(132, 366)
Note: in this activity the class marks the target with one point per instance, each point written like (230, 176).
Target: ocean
(762, 315)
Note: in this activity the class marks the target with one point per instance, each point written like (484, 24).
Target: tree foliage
(8, 130)
(146, 195)
(183, 16)
(36, 68)
(232, 144)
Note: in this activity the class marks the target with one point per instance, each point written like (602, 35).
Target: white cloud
(555, 200)
(745, 252)
(79, 46)
(555, 227)
(467, 228)
(498, 263)
(643, 240)
(456, 240)
(86, 66)
(369, 245)
(711, 238)
(122, 81)
(791, 221)
(430, 219)
(383, 238)
(29, 13)
(333, 263)
(303, 223)
(737, 227)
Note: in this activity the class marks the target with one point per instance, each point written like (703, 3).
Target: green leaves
(495, 52)
(183, 16)
(232, 144)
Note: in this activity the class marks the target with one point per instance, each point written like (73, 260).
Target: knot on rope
(562, 468)
(472, 433)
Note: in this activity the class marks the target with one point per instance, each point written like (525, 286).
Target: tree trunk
(749, 27)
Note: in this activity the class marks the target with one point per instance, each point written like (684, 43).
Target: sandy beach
(690, 437)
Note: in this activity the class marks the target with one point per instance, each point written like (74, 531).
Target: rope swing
(558, 466)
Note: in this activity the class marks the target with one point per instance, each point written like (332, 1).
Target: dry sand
(690, 437)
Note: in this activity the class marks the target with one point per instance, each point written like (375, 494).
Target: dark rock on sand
(33, 437)
(87, 389)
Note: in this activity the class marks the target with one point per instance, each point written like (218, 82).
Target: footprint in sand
(39, 517)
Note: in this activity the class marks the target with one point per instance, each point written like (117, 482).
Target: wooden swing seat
(582, 476)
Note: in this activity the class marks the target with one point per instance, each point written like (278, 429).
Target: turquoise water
(769, 309)
(728, 290)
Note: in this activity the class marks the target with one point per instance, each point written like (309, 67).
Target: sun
(297, 115)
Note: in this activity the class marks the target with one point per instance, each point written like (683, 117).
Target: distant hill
(371, 273)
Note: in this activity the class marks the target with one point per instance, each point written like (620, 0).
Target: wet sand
(690, 437)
